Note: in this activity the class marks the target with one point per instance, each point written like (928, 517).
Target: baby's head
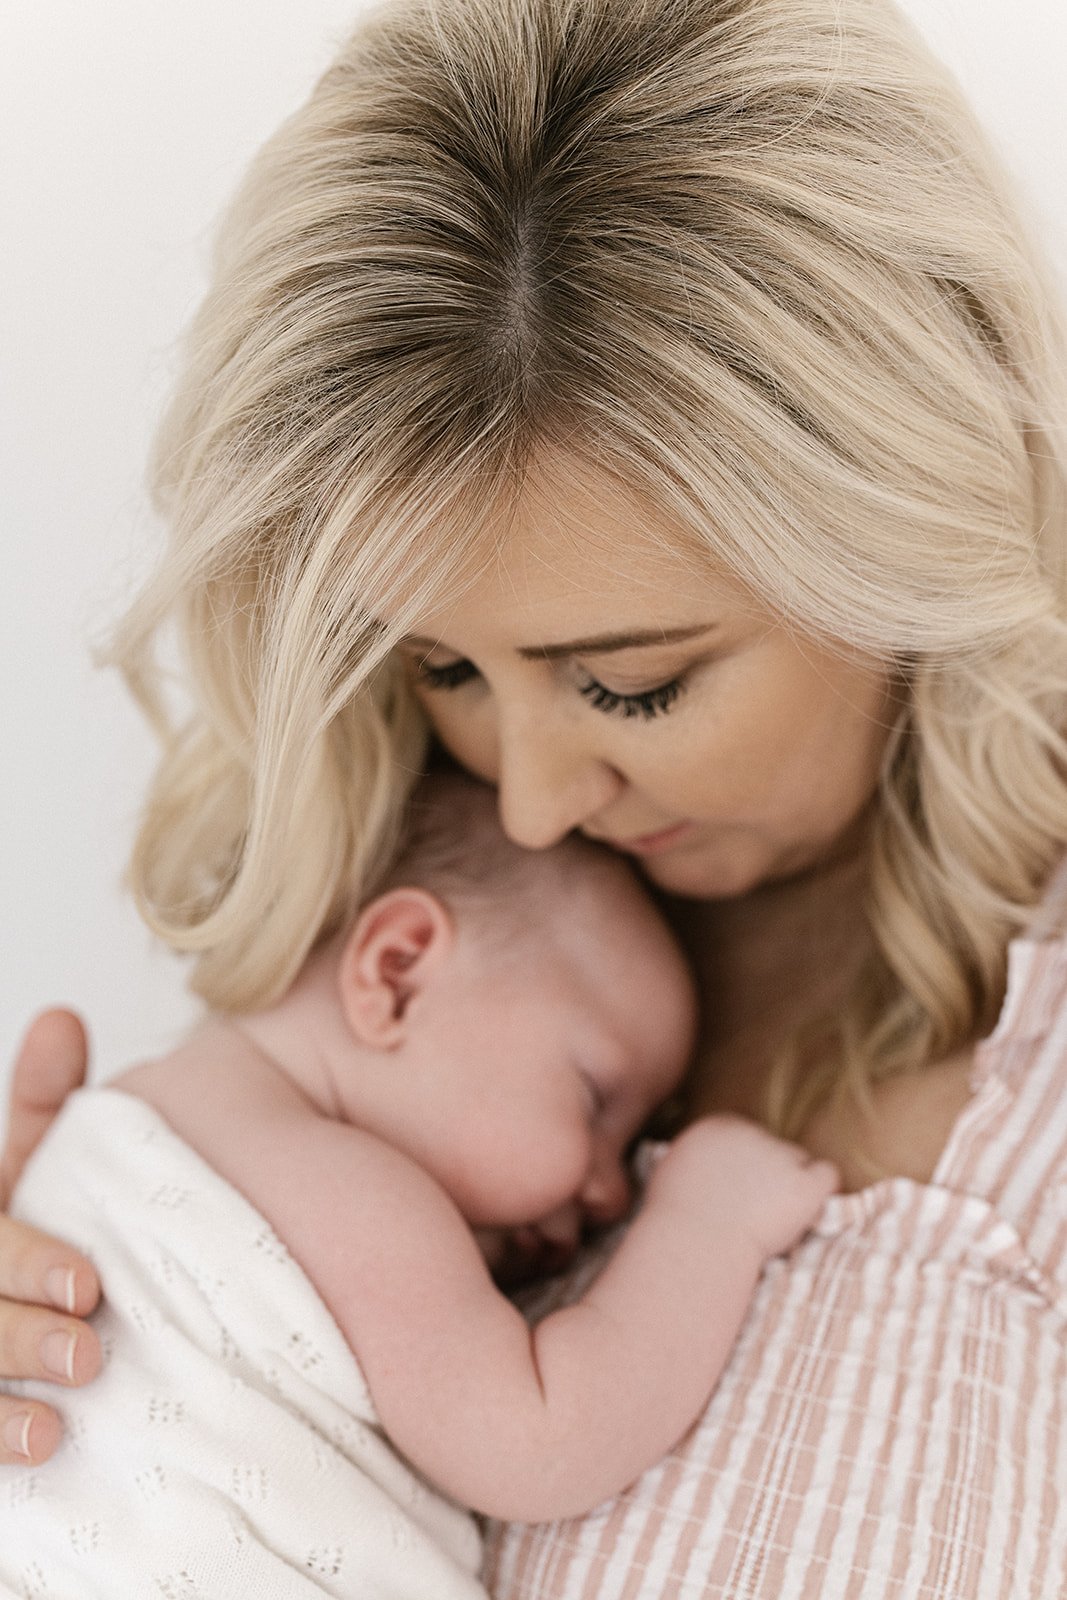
(518, 1014)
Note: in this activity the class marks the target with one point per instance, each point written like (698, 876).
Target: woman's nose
(549, 785)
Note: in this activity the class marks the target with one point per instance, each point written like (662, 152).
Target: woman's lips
(647, 844)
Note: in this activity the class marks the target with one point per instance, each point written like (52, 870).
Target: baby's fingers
(813, 1184)
(823, 1178)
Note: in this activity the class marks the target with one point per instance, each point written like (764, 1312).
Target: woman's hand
(38, 1275)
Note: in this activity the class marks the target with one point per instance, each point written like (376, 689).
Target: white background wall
(123, 127)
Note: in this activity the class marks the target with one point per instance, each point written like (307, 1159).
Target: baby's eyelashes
(595, 1095)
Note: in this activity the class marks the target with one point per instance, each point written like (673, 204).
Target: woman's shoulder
(906, 1131)
(912, 1118)
(1048, 923)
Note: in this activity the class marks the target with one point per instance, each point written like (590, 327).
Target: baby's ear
(398, 945)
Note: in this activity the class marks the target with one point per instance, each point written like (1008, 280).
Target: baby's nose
(606, 1195)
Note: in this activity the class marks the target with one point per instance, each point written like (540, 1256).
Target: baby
(301, 1334)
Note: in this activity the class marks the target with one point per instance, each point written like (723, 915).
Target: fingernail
(60, 1287)
(17, 1434)
(57, 1353)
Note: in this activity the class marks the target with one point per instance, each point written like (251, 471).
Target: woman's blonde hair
(751, 257)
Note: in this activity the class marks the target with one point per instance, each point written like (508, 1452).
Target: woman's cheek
(468, 738)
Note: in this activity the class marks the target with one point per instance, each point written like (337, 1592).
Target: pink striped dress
(893, 1422)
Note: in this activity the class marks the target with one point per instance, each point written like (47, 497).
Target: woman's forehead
(570, 512)
(581, 564)
(546, 612)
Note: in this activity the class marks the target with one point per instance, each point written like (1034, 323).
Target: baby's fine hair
(451, 843)
(751, 258)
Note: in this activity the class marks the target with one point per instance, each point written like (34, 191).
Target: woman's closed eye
(452, 676)
(647, 703)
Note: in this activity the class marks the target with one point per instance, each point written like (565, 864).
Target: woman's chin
(704, 875)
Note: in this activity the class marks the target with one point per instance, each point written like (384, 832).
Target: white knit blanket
(230, 1448)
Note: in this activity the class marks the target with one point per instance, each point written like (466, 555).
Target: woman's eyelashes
(647, 704)
(452, 676)
(650, 703)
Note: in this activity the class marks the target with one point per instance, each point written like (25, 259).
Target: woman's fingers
(45, 1286)
(29, 1432)
(43, 1272)
(39, 1342)
(35, 1343)
(51, 1063)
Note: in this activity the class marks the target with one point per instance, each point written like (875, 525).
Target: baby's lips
(532, 1255)
(556, 1247)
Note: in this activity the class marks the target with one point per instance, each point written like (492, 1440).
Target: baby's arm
(535, 1425)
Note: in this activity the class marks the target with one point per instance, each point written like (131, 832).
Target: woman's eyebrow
(604, 643)
(595, 644)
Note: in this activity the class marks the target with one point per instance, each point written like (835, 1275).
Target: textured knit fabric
(893, 1422)
(230, 1449)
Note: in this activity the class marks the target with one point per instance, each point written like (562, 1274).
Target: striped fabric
(893, 1422)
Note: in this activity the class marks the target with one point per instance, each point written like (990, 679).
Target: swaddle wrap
(230, 1447)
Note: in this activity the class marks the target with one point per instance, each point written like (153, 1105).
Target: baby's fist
(764, 1190)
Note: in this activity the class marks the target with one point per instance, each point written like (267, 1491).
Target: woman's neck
(765, 963)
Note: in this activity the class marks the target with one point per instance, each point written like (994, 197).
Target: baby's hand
(765, 1191)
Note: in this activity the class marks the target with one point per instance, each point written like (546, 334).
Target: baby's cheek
(493, 1244)
(501, 1184)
